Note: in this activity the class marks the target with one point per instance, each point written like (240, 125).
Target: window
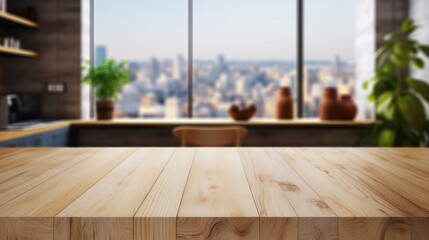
(241, 51)
(329, 50)
(152, 37)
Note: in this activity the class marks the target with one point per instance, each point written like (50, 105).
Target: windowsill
(212, 121)
(6, 135)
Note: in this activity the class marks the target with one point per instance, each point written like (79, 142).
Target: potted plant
(399, 97)
(107, 79)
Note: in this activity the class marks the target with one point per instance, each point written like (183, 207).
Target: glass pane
(152, 37)
(329, 50)
(244, 50)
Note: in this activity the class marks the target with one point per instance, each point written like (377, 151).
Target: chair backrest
(210, 136)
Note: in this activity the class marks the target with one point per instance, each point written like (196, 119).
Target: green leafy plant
(107, 79)
(399, 98)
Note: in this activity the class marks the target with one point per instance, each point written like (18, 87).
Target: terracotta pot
(105, 108)
(348, 108)
(330, 106)
(285, 104)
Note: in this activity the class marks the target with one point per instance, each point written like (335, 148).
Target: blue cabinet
(54, 138)
(20, 142)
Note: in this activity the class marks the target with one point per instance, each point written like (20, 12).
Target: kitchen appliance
(19, 111)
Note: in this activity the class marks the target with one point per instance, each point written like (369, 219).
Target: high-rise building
(336, 67)
(100, 54)
(154, 70)
(221, 63)
(178, 67)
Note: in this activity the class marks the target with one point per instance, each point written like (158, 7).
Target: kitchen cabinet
(53, 138)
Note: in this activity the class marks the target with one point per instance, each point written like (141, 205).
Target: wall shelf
(17, 52)
(11, 20)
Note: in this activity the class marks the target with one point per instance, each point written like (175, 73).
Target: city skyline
(159, 89)
(102, 50)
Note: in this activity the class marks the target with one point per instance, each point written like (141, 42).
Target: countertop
(214, 193)
(6, 135)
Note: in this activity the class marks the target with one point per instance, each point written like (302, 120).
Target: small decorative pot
(330, 107)
(242, 113)
(105, 108)
(348, 108)
(285, 104)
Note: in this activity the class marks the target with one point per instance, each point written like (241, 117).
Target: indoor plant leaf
(418, 63)
(413, 111)
(407, 25)
(425, 49)
(400, 61)
(420, 87)
(389, 112)
(387, 138)
(400, 49)
(384, 101)
(392, 36)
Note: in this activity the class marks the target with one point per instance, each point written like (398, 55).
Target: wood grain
(323, 228)
(346, 196)
(155, 228)
(156, 218)
(278, 191)
(420, 228)
(394, 185)
(24, 173)
(121, 192)
(375, 228)
(93, 228)
(26, 228)
(218, 228)
(217, 186)
(49, 198)
(277, 228)
(216, 195)
(4, 152)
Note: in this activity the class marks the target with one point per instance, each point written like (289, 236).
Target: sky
(239, 29)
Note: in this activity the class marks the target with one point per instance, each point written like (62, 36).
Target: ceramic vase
(348, 108)
(330, 106)
(285, 104)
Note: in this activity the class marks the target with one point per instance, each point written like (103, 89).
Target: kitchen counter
(6, 135)
(214, 193)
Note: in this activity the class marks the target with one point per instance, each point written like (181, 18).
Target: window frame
(190, 64)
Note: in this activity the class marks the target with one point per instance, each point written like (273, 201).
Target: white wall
(418, 10)
(365, 48)
(86, 55)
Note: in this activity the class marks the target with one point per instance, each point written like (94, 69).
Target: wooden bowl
(242, 114)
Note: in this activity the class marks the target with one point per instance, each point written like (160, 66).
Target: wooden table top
(154, 193)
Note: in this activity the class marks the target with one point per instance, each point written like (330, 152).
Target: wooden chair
(210, 136)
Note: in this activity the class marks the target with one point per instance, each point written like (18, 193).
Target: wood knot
(288, 186)
(319, 203)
